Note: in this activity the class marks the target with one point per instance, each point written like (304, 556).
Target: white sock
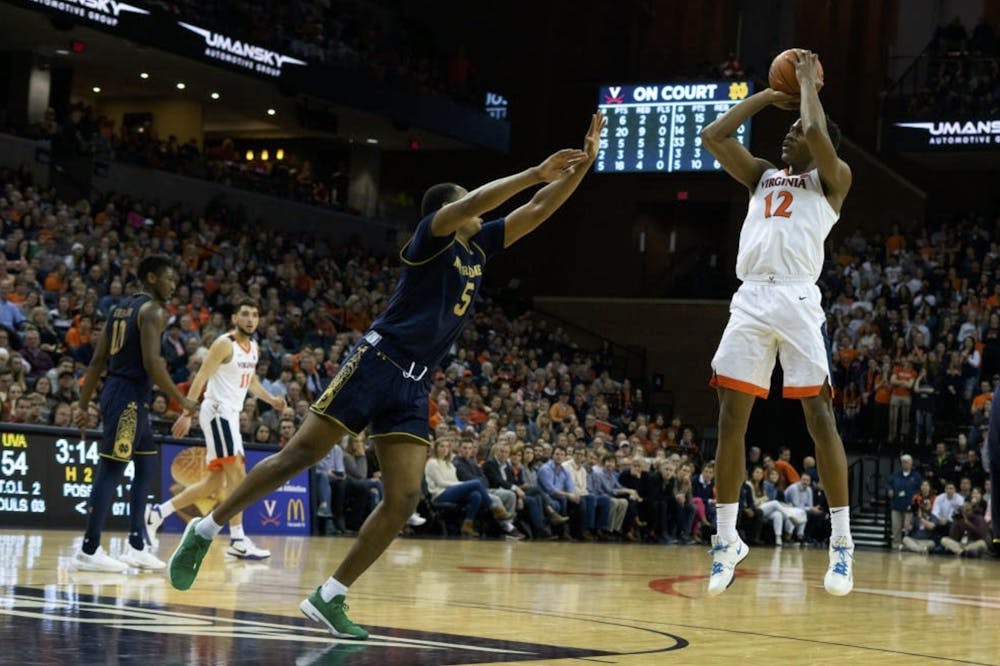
(167, 508)
(726, 521)
(840, 522)
(207, 528)
(508, 526)
(331, 588)
(236, 531)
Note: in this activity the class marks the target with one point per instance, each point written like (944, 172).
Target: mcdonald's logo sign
(296, 512)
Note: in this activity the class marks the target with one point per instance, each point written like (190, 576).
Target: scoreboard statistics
(656, 128)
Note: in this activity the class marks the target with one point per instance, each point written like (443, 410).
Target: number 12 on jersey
(784, 204)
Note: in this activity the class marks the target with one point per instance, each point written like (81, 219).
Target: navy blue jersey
(436, 290)
(125, 353)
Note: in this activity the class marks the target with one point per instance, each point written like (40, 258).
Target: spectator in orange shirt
(562, 410)
(55, 282)
(903, 378)
(785, 468)
(895, 242)
(78, 339)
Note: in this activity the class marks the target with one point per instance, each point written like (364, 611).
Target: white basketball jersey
(787, 222)
(231, 381)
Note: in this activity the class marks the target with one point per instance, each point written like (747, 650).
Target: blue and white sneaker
(839, 579)
(725, 558)
(153, 520)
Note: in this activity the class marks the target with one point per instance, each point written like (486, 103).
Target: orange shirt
(788, 473)
(981, 400)
(906, 375)
(894, 244)
(53, 282)
(558, 412)
(76, 339)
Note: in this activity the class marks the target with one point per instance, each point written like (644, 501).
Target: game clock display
(656, 128)
(46, 477)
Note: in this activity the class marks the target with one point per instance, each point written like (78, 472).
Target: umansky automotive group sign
(945, 135)
(156, 27)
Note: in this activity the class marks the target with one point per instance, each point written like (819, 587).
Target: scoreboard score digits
(656, 128)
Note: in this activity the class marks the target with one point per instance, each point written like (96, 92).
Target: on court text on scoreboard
(656, 128)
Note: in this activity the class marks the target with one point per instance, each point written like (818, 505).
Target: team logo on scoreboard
(615, 96)
(270, 518)
(295, 513)
(738, 90)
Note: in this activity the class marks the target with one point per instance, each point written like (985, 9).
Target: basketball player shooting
(229, 373)
(384, 383)
(777, 310)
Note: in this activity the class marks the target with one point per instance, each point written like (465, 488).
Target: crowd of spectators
(962, 74)
(915, 331)
(943, 503)
(512, 382)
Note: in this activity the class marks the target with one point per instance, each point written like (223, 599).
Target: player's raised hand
(560, 163)
(592, 141)
(181, 427)
(807, 68)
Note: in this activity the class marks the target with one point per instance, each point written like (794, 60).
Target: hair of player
(247, 303)
(437, 196)
(155, 265)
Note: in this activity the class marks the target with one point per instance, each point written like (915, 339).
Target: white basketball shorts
(221, 428)
(767, 319)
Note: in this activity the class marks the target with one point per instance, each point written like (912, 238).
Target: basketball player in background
(991, 461)
(129, 344)
(229, 371)
(778, 309)
(386, 378)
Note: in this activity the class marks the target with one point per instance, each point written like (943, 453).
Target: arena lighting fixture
(215, 95)
(271, 112)
(62, 52)
(280, 155)
(143, 75)
(181, 85)
(264, 155)
(96, 89)
(372, 141)
(249, 156)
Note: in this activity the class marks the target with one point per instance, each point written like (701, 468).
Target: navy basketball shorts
(371, 389)
(125, 418)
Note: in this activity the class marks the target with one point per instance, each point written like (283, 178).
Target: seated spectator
(946, 506)
(444, 487)
(783, 464)
(359, 488)
(596, 509)
(329, 476)
(921, 529)
(969, 534)
(467, 469)
(622, 517)
(793, 518)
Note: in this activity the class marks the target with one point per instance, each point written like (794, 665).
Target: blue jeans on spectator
(533, 507)
(472, 494)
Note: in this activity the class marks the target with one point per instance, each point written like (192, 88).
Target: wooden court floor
(490, 602)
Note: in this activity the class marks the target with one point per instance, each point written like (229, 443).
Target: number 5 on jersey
(784, 204)
(465, 299)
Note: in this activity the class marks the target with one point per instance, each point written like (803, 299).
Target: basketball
(781, 75)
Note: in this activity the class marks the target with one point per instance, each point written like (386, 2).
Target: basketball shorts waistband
(770, 278)
(410, 369)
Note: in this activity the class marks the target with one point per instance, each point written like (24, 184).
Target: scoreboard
(656, 128)
(46, 475)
